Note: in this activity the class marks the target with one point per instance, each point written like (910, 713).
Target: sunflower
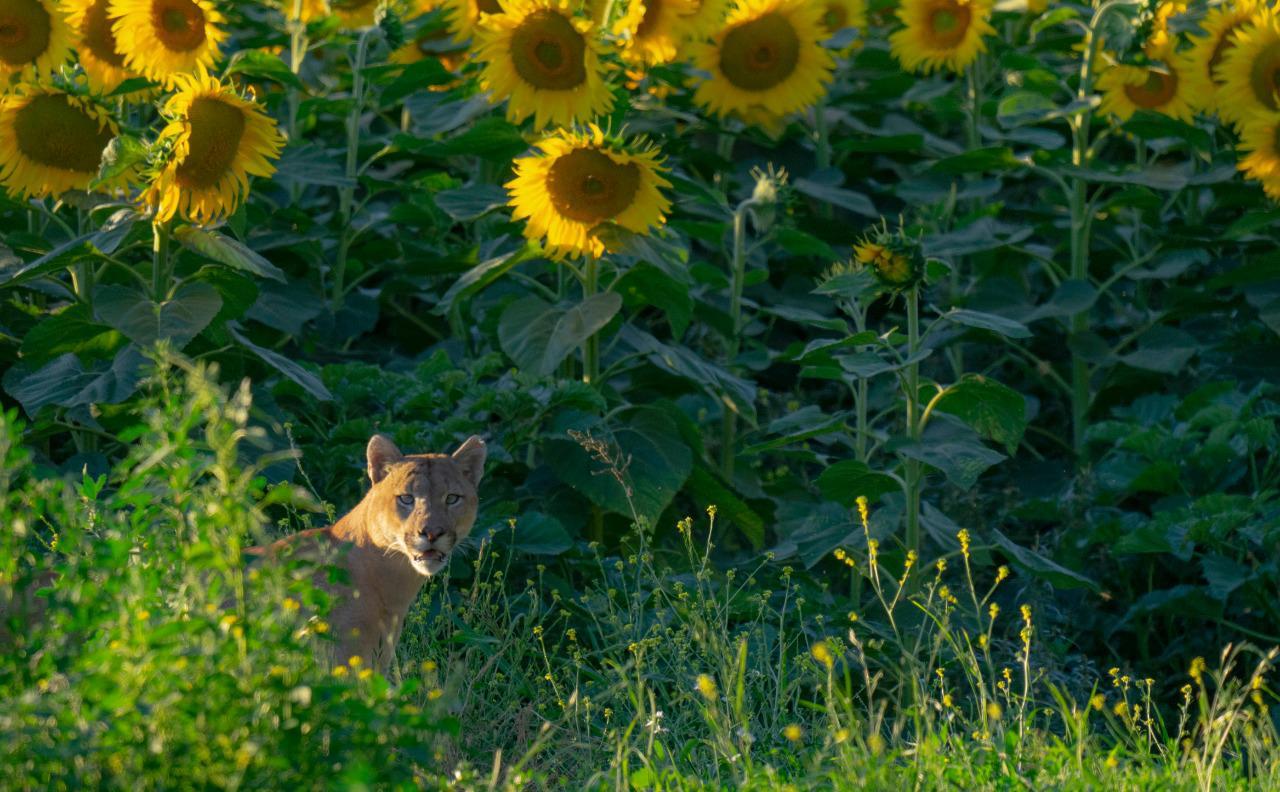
(766, 62)
(466, 15)
(51, 141)
(545, 62)
(432, 42)
(1206, 53)
(34, 36)
(1250, 69)
(838, 15)
(1162, 89)
(653, 29)
(161, 39)
(96, 47)
(707, 17)
(941, 34)
(355, 14)
(305, 11)
(580, 183)
(218, 139)
(1260, 137)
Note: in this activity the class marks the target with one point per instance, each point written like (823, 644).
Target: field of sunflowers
(877, 392)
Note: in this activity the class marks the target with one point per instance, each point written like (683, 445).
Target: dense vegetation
(876, 393)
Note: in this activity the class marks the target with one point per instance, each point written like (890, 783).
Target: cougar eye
(404, 500)
(452, 499)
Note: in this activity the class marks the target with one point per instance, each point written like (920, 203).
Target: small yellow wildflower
(863, 512)
(1198, 667)
(1002, 573)
(340, 671)
(1121, 709)
(994, 712)
(354, 661)
(964, 538)
(434, 694)
(947, 701)
(365, 673)
(993, 611)
(290, 604)
(793, 732)
(823, 655)
(428, 666)
(1097, 701)
(875, 743)
(707, 687)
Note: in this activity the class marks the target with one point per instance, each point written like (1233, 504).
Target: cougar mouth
(430, 555)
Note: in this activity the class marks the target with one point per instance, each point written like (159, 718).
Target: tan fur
(389, 548)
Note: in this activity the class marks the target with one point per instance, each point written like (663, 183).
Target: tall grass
(162, 663)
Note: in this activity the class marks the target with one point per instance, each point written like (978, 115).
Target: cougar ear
(382, 454)
(470, 457)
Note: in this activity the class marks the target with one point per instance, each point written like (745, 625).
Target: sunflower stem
(914, 478)
(160, 260)
(738, 278)
(298, 45)
(591, 348)
(346, 193)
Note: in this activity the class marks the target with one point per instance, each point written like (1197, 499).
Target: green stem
(297, 53)
(160, 275)
(591, 349)
(346, 194)
(914, 477)
(737, 281)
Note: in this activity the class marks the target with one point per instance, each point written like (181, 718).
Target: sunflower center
(179, 24)
(97, 37)
(835, 18)
(57, 134)
(25, 30)
(588, 186)
(649, 22)
(760, 54)
(948, 23)
(488, 7)
(1220, 49)
(1265, 76)
(548, 52)
(214, 142)
(1157, 91)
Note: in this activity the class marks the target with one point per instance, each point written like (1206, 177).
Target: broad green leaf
(576, 325)
(225, 250)
(657, 463)
(845, 481)
(263, 66)
(989, 408)
(66, 382)
(982, 235)
(706, 487)
(177, 320)
(469, 203)
(123, 154)
(855, 202)
(490, 138)
(14, 271)
(1032, 562)
(305, 379)
(483, 274)
(1070, 298)
(71, 330)
(961, 461)
(540, 534)
(1166, 350)
(525, 329)
(982, 160)
(809, 421)
(987, 321)
(646, 285)
(738, 394)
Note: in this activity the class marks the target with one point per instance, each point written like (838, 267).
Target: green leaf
(71, 330)
(66, 382)
(961, 461)
(796, 427)
(490, 138)
(657, 463)
(305, 379)
(483, 274)
(979, 236)
(738, 394)
(123, 154)
(986, 321)
(706, 487)
(225, 250)
(844, 481)
(577, 325)
(646, 285)
(15, 271)
(263, 66)
(178, 319)
(1166, 350)
(855, 202)
(982, 160)
(1032, 562)
(1070, 298)
(1157, 177)
(1031, 107)
(992, 410)
(472, 202)
(540, 534)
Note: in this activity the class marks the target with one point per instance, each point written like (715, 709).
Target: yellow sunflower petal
(545, 62)
(941, 34)
(653, 30)
(162, 39)
(96, 48)
(1250, 69)
(355, 14)
(219, 139)
(1260, 143)
(1205, 56)
(34, 37)
(465, 15)
(578, 183)
(51, 141)
(1162, 89)
(766, 62)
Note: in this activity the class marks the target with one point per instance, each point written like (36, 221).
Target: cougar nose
(432, 533)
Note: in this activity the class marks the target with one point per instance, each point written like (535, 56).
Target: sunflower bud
(895, 258)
